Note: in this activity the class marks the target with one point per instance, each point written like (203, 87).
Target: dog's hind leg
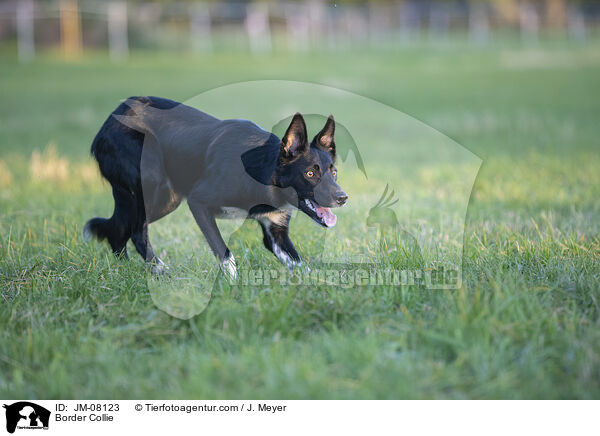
(143, 246)
(140, 239)
(206, 221)
(122, 220)
(160, 198)
(116, 229)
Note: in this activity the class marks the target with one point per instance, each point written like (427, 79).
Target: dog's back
(118, 148)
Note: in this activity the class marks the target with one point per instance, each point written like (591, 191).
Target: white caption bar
(298, 417)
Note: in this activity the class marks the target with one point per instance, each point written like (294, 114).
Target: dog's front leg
(277, 240)
(206, 221)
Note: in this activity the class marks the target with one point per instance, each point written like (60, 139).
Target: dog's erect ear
(294, 142)
(325, 139)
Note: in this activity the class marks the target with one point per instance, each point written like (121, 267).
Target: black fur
(154, 152)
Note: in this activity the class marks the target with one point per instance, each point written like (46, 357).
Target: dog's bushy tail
(96, 228)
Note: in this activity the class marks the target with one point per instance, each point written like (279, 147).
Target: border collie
(155, 152)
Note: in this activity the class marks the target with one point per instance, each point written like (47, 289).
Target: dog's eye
(333, 172)
(310, 173)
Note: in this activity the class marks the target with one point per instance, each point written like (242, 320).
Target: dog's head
(309, 168)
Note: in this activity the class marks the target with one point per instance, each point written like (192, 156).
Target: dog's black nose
(341, 198)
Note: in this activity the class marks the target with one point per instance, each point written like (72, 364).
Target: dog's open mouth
(321, 215)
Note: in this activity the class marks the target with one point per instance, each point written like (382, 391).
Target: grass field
(76, 323)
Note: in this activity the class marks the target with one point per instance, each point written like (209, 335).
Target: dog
(155, 152)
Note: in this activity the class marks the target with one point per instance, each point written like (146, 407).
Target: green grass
(75, 322)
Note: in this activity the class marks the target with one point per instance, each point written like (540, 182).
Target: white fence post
(117, 31)
(410, 21)
(529, 22)
(297, 25)
(25, 30)
(200, 26)
(257, 26)
(576, 23)
(479, 27)
(316, 22)
(378, 24)
(439, 21)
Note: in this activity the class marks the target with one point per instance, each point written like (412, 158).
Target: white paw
(229, 268)
(303, 267)
(159, 267)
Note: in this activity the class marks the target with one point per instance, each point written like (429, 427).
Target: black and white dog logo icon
(26, 415)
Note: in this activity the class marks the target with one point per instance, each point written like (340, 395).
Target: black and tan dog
(155, 152)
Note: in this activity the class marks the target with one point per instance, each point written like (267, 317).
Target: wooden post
(200, 26)
(70, 29)
(556, 13)
(118, 42)
(25, 30)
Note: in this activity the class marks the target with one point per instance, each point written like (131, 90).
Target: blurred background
(76, 26)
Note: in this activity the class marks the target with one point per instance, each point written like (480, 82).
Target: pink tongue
(328, 216)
